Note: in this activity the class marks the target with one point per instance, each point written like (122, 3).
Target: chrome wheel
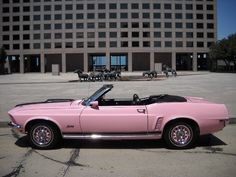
(181, 135)
(42, 135)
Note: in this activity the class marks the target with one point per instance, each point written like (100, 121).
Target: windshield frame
(97, 94)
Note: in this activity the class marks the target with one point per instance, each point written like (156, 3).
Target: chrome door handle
(141, 111)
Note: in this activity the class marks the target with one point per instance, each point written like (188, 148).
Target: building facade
(131, 35)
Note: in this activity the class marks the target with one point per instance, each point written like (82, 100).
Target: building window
(26, 9)
(90, 16)
(16, 37)
(200, 35)
(124, 44)
(168, 15)
(199, 16)
(123, 15)
(135, 43)
(157, 34)
(146, 6)
(178, 6)
(36, 18)
(102, 15)
(69, 7)
(57, 35)
(16, 46)
(168, 34)
(26, 46)
(146, 15)
(47, 26)
(134, 6)
(178, 16)
(200, 26)
(189, 7)
(210, 16)
(210, 7)
(189, 16)
(15, 9)
(167, 6)
(69, 45)
(135, 15)
(58, 26)
(26, 27)
(69, 35)
(178, 34)
(47, 8)
(79, 26)
(156, 6)
(112, 15)
(79, 16)
(15, 28)
(189, 44)
(124, 34)
(80, 45)
(146, 25)
(5, 37)
(6, 46)
(36, 36)
(79, 6)
(58, 17)
(90, 35)
(168, 25)
(113, 44)
(57, 45)
(47, 17)
(102, 44)
(90, 6)
(124, 24)
(123, 6)
(47, 36)
(157, 25)
(101, 6)
(210, 26)
(58, 7)
(112, 6)
(37, 27)
(135, 34)
(210, 35)
(36, 46)
(135, 24)
(90, 25)
(146, 34)
(5, 19)
(101, 25)
(90, 44)
(102, 34)
(199, 7)
(26, 18)
(146, 44)
(200, 44)
(168, 44)
(157, 43)
(179, 44)
(16, 18)
(112, 25)
(26, 36)
(113, 34)
(69, 16)
(157, 15)
(189, 34)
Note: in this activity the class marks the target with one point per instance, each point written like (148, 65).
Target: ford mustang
(178, 120)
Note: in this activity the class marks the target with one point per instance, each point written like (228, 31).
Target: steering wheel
(136, 99)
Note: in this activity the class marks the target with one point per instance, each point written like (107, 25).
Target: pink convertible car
(178, 120)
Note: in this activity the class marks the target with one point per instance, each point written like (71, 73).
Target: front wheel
(43, 136)
(180, 135)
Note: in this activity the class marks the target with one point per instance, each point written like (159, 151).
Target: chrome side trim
(112, 136)
(13, 125)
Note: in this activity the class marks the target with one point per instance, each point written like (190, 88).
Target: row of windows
(80, 16)
(111, 6)
(102, 44)
(81, 35)
(59, 26)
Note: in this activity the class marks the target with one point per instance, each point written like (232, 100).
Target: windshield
(104, 89)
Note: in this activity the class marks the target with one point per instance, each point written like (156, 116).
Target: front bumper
(16, 127)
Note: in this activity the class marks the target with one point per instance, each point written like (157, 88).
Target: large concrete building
(132, 35)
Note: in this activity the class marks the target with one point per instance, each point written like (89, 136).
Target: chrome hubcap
(181, 135)
(42, 135)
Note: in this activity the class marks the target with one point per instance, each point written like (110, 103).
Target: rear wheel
(44, 136)
(180, 135)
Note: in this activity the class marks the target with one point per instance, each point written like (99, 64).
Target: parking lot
(215, 155)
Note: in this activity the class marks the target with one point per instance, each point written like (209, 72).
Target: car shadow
(204, 141)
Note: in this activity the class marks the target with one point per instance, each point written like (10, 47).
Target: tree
(224, 50)
(3, 56)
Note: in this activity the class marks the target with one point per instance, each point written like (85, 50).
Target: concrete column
(152, 61)
(108, 61)
(130, 68)
(42, 62)
(63, 62)
(173, 60)
(85, 62)
(195, 61)
(21, 63)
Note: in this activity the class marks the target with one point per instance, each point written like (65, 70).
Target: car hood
(45, 105)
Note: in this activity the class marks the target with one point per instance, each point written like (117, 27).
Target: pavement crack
(16, 171)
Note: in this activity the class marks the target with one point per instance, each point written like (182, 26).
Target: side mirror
(94, 104)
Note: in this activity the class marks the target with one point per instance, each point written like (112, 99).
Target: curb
(5, 124)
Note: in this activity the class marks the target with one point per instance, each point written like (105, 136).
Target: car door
(114, 119)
